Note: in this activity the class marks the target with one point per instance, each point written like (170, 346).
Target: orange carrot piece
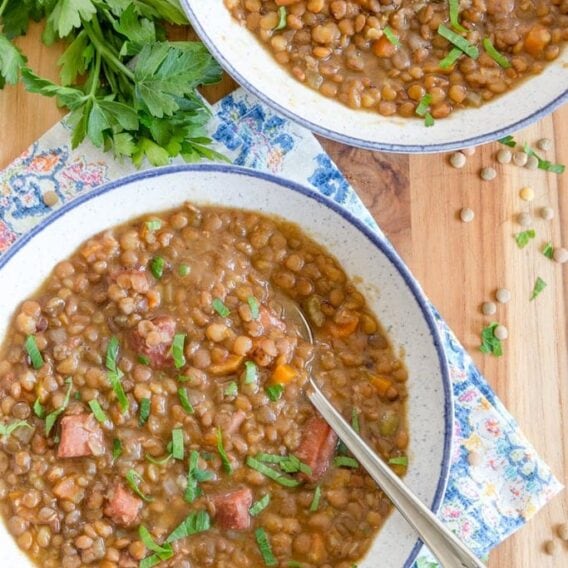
(284, 374)
(382, 384)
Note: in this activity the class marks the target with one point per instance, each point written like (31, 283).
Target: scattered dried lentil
(547, 213)
(520, 158)
(488, 308)
(524, 219)
(544, 144)
(50, 198)
(560, 255)
(488, 174)
(526, 193)
(501, 332)
(502, 295)
(468, 151)
(550, 547)
(504, 156)
(467, 215)
(458, 160)
(532, 163)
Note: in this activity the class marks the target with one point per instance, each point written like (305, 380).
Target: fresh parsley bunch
(129, 90)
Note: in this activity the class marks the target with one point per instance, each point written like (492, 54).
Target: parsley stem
(95, 76)
(3, 6)
(102, 48)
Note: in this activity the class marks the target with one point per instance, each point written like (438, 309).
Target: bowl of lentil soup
(151, 389)
(377, 73)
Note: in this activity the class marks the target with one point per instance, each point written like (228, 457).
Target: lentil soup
(408, 58)
(152, 407)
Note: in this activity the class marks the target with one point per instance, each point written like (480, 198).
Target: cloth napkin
(497, 481)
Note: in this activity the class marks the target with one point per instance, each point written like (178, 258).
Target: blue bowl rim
(376, 240)
(358, 142)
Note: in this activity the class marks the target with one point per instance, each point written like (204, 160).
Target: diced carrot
(536, 40)
(284, 374)
(344, 329)
(383, 47)
(230, 365)
(382, 384)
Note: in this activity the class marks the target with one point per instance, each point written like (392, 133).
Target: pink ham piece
(153, 338)
(122, 506)
(81, 436)
(232, 509)
(317, 447)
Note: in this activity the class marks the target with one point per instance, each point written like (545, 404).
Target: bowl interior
(252, 66)
(386, 283)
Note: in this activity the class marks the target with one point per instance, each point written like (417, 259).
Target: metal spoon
(446, 547)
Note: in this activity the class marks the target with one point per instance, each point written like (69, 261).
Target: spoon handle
(448, 549)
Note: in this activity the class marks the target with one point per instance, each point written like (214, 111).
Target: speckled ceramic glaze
(249, 63)
(387, 284)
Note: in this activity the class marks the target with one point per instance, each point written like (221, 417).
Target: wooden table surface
(416, 199)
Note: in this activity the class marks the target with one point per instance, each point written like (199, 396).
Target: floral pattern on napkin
(497, 481)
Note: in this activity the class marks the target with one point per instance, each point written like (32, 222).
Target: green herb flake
(548, 250)
(6, 430)
(390, 35)
(153, 225)
(178, 346)
(345, 461)
(454, 16)
(220, 307)
(116, 448)
(280, 478)
(251, 373)
(499, 58)
(115, 374)
(539, 286)
(183, 396)
(490, 343)
(523, 238)
(194, 523)
(195, 475)
(161, 552)
(98, 411)
(259, 505)
(33, 352)
(178, 451)
(264, 547)
(143, 360)
(38, 408)
(52, 417)
(274, 392)
(231, 389)
(428, 120)
(184, 270)
(355, 423)
(282, 17)
(133, 478)
(399, 460)
(508, 141)
(423, 105)
(254, 307)
(458, 41)
(288, 464)
(144, 411)
(157, 265)
(544, 164)
(294, 564)
(223, 454)
(454, 54)
(314, 505)
(159, 461)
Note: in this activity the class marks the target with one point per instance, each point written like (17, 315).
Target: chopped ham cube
(317, 446)
(232, 509)
(153, 338)
(80, 436)
(123, 507)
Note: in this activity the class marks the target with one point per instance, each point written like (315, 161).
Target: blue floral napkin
(497, 481)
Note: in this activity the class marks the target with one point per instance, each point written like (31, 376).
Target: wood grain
(416, 200)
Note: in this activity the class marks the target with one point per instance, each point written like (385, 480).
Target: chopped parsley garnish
(144, 411)
(157, 265)
(294, 564)
(116, 448)
(428, 120)
(548, 250)
(39, 409)
(184, 270)
(98, 411)
(251, 373)
(355, 424)
(274, 392)
(183, 396)
(499, 58)
(143, 360)
(177, 350)
(161, 552)
(539, 286)
(282, 15)
(458, 41)
(345, 461)
(451, 58)
(231, 389)
(195, 475)
(6, 430)
(133, 478)
(52, 417)
(490, 343)
(33, 352)
(153, 225)
(314, 505)
(523, 238)
(178, 451)
(264, 547)
(220, 307)
(454, 16)
(254, 307)
(259, 505)
(423, 105)
(223, 454)
(508, 141)
(271, 473)
(544, 164)
(390, 35)
(115, 374)
(288, 464)
(194, 523)
(399, 460)
(160, 461)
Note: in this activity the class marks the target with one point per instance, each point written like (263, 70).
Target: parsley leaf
(539, 286)
(12, 61)
(489, 343)
(524, 237)
(548, 250)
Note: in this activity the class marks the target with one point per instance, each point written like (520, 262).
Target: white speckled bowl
(253, 67)
(389, 288)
